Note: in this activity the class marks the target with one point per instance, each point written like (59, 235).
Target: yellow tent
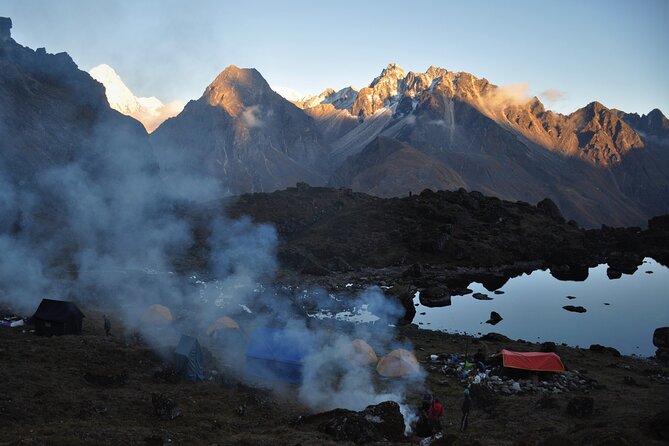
(157, 314)
(222, 323)
(362, 353)
(398, 363)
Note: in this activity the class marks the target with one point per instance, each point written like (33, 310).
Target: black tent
(188, 358)
(57, 317)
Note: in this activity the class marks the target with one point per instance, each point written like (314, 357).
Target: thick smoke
(105, 229)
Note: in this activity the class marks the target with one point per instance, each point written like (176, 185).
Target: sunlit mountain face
(151, 112)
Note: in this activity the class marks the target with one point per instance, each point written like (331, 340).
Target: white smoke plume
(105, 226)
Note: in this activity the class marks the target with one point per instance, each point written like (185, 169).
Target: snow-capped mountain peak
(151, 112)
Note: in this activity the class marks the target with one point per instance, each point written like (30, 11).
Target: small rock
(575, 309)
(571, 297)
(481, 296)
(495, 318)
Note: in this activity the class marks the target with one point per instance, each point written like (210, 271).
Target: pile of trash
(495, 378)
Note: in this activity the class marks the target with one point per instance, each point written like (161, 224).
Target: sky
(569, 53)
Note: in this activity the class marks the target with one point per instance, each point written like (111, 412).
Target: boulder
(548, 347)
(661, 337)
(494, 337)
(435, 297)
(481, 296)
(576, 273)
(548, 207)
(388, 420)
(381, 422)
(662, 354)
(575, 309)
(602, 349)
(613, 274)
(581, 406)
(495, 318)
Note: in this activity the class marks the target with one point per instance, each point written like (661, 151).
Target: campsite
(92, 388)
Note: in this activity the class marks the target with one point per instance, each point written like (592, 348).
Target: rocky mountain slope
(599, 165)
(244, 133)
(52, 114)
(454, 130)
(151, 112)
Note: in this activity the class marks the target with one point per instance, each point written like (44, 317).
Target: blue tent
(188, 358)
(276, 355)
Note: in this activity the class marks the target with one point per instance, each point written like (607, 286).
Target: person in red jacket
(434, 415)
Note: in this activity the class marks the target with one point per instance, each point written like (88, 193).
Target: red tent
(537, 361)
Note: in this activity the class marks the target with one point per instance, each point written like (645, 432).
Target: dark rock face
(575, 309)
(581, 406)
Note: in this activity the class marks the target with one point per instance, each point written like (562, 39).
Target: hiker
(436, 411)
(466, 404)
(107, 325)
(427, 403)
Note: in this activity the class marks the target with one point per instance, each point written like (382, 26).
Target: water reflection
(621, 313)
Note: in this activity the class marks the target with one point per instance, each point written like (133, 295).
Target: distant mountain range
(440, 130)
(403, 133)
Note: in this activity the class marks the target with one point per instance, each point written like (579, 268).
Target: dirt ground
(46, 399)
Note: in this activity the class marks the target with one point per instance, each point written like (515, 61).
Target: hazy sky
(616, 52)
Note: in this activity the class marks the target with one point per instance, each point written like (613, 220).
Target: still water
(621, 313)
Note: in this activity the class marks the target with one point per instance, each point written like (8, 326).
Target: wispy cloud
(251, 117)
(553, 95)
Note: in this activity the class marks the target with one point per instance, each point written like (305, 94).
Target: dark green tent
(188, 358)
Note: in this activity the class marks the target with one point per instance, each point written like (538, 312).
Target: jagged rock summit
(245, 134)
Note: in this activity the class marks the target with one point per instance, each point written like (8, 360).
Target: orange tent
(398, 363)
(222, 323)
(363, 353)
(535, 361)
(157, 314)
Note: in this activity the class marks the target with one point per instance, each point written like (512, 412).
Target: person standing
(107, 325)
(466, 405)
(434, 415)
